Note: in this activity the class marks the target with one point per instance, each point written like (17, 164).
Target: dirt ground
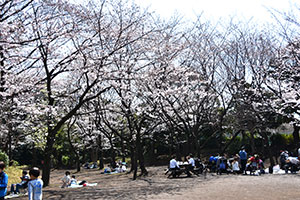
(157, 187)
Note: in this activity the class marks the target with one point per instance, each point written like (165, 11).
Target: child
(66, 180)
(35, 185)
(24, 180)
(235, 166)
(73, 181)
(3, 181)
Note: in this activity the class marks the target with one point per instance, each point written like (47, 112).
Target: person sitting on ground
(283, 156)
(261, 166)
(292, 164)
(86, 165)
(123, 167)
(23, 184)
(35, 186)
(73, 181)
(253, 164)
(107, 170)
(222, 165)
(94, 165)
(66, 180)
(235, 166)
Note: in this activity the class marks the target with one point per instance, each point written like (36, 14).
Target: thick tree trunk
(77, 164)
(47, 158)
(132, 158)
(268, 149)
(101, 163)
(113, 157)
(100, 153)
(123, 150)
(134, 164)
(73, 149)
(46, 168)
(252, 142)
(296, 135)
(140, 154)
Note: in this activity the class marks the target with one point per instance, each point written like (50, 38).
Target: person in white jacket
(235, 166)
(35, 186)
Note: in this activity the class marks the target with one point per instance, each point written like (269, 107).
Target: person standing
(243, 158)
(35, 186)
(3, 181)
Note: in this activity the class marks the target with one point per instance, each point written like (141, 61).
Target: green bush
(65, 160)
(14, 163)
(4, 158)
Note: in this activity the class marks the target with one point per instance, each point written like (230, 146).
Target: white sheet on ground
(87, 185)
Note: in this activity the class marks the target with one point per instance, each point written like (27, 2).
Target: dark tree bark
(140, 154)
(296, 135)
(268, 148)
(231, 140)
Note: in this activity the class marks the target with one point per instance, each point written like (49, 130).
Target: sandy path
(157, 187)
(265, 187)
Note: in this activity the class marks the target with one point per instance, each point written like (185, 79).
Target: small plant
(4, 158)
(65, 160)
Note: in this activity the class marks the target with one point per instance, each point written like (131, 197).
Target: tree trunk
(231, 140)
(46, 168)
(113, 157)
(252, 142)
(47, 158)
(268, 149)
(100, 153)
(296, 135)
(134, 165)
(140, 154)
(132, 158)
(73, 148)
(123, 150)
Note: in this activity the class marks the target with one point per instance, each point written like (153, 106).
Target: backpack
(222, 165)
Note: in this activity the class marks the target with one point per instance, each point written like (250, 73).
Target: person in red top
(254, 162)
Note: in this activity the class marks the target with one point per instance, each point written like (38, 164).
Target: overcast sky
(216, 9)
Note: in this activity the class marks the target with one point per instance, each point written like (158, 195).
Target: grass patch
(14, 173)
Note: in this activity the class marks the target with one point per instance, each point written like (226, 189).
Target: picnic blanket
(276, 170)
(15, 195)
(84, 185)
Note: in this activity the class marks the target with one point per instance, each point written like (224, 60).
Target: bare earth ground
(156, 187)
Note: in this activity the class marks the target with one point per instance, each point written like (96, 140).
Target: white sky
(216, 9)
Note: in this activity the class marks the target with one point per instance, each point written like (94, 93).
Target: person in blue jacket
(243, 158)
(3, 181)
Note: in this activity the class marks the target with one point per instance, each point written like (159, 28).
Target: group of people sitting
(70, 181)
(120, 167)
(240, 163)
(30, 182)
(289, 162)
(92, 166)
(189, 166)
